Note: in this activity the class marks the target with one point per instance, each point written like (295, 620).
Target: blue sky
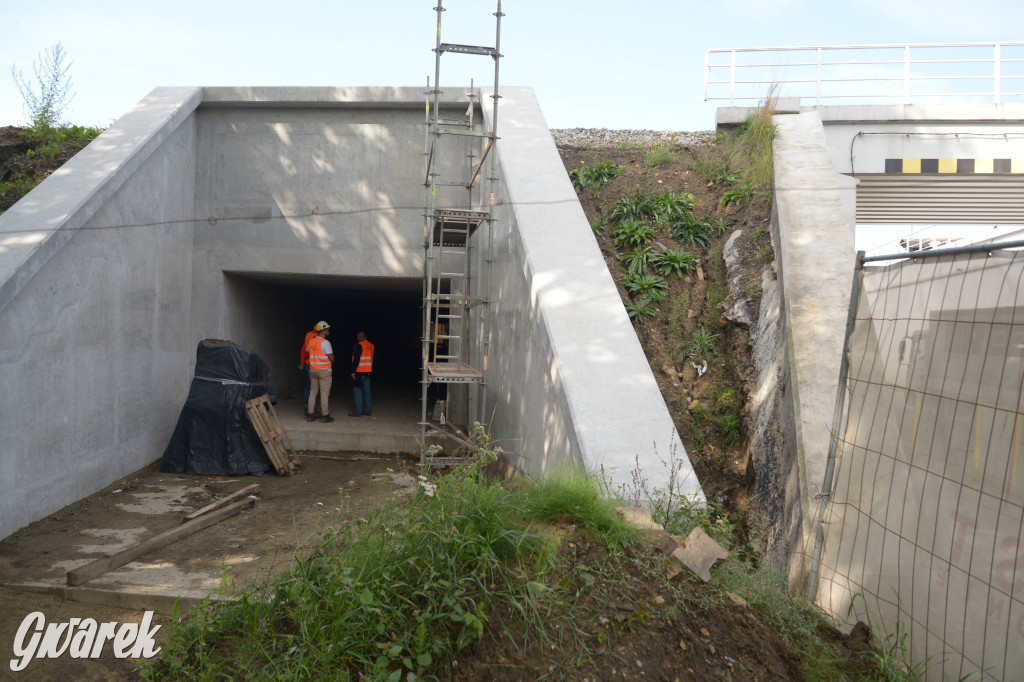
(593, 64)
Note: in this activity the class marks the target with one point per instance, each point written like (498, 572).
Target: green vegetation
(593, 177)
(741, 194)
(767, 254)
(700, 345)
(661, 208)
(641, 310)
(719, 226)
(693, 232)
(46, 145)
(743, 156)
(677, 317)
(659, 155)
(47, 98)
(637, 206)
(763, 589)
(407, 588)
(674, 262)
(638, 261)
(632, 233)
(714, 162)
(669, 207)
(716, 294)
(652, 287)
(756, 135)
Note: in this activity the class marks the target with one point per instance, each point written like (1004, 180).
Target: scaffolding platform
(452, 373)
(454, 227)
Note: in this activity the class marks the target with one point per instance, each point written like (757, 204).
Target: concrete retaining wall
(199, 213)
(94, 312)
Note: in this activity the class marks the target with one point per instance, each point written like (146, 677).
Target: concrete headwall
(306, 183)
(95, 295)
(182, 221)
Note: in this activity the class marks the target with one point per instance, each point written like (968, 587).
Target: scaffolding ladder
(452, 230)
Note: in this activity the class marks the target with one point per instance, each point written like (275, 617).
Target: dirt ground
(328, 489)
(649, 628)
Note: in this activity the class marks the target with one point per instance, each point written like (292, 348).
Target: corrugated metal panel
(973, 199)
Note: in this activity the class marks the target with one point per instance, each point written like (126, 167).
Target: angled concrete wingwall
(799, 342)
(152, 238)
(95, 298)
(568, 373)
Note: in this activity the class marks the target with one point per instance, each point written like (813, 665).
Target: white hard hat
(321, 325)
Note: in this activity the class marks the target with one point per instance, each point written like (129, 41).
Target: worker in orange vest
(321, 358)
(362, 368)
(304, 359)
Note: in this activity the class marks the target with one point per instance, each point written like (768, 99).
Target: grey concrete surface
(815, 261)
(247, 213)
(392, 428)
(94, 311)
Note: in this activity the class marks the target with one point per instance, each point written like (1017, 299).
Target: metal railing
(965, 72)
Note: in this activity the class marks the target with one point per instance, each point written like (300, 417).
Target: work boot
(354, 414)
(327, 419)
(311, 417)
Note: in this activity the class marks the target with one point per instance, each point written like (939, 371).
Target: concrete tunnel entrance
(270, 314)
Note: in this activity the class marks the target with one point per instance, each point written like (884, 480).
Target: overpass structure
(920, 178)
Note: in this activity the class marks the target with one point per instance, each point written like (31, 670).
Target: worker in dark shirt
(362, 368)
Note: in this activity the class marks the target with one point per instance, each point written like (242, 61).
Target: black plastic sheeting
(214, 434)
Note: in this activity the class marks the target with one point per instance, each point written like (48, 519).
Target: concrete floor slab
(328, 490)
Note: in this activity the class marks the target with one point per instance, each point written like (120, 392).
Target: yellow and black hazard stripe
(954, 166)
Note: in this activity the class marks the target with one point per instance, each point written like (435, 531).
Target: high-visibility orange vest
(317, 358)
(365, 358)
(304, 353)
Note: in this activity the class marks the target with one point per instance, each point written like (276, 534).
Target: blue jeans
(361, 391)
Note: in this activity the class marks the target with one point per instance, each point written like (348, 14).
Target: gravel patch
(588, 138)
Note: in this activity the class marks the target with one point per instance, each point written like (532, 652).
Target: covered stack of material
(214, 434)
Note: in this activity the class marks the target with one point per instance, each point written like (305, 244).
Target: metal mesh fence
(922, 534)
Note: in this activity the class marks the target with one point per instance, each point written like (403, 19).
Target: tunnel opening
(270, 313)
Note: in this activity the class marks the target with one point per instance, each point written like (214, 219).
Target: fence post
(817, 81)
(825, 495)
(996, 74)
(732, 78)
(906, 74)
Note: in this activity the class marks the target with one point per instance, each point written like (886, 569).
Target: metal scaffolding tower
(452, 293)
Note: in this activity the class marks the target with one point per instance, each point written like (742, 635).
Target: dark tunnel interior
(275, 311)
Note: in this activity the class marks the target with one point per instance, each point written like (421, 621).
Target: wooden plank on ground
(293, 457)
(217, 504)
(259, 415)
(117, 559)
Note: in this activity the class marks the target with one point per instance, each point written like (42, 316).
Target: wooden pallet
(268, 428)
